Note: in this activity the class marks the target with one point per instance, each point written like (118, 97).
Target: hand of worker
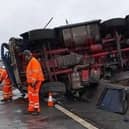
(33, 84)
(2, 83)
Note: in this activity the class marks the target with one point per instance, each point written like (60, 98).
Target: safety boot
(27, 112)
(3, 100)
(10, 100)
(35, 113)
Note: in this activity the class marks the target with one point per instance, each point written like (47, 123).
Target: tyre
(127, 21)
(56, 88)
(39, 34)
(117, 24)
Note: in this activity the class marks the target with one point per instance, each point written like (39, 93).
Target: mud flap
(113, 100)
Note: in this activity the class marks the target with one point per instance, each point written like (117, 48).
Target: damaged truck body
(73, 57)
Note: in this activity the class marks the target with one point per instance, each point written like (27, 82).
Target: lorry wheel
(56, 88)
(118, 24)
(127, 21)
(39, 34)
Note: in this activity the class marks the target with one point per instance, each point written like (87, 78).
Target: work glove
(33, 84)
(2, 83)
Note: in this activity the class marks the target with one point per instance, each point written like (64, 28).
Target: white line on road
(75, 117)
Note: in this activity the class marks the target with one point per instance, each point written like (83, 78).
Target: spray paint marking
(75, 117)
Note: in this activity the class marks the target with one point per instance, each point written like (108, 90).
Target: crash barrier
(114, 99)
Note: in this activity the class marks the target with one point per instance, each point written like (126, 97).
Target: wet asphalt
(102, 119)
(12, 117)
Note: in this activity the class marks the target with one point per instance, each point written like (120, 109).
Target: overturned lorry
(73, 57)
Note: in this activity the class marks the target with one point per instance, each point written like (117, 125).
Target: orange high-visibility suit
(35, 77)
(6, 83)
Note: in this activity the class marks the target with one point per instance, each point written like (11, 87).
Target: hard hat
(3, 66)
(27, 52)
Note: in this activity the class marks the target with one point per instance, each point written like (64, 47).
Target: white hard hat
(27, 52)
(3, 66)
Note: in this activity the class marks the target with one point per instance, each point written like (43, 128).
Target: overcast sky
(18, 16)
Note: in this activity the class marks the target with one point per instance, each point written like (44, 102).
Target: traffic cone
(50, 100)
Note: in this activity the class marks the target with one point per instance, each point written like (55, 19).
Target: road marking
(75, 117)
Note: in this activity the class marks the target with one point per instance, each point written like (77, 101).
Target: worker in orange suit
(6, 83)
(35, 77)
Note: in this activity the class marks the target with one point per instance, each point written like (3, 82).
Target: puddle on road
(29, 123)
(13, 118)
(18, 124)
(18, 111)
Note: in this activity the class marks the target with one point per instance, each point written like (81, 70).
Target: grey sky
(18, 16)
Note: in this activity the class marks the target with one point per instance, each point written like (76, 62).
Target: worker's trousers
(33, 97)
(7, 91)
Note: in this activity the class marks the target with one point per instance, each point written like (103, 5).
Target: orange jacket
(34, 71)
(4, 77)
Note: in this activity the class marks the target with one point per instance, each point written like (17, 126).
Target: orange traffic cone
(50, 100)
